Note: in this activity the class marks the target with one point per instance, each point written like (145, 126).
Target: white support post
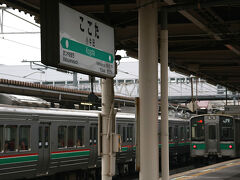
(164, 95)
(148, 89)
(107, 118)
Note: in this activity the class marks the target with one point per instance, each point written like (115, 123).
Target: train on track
(215, 136)
(39, 142)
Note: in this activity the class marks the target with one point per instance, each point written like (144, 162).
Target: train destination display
(78, 42)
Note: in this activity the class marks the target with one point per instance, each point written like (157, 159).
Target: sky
(14, 48)
(17, 47)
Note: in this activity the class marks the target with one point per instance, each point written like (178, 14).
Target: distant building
(125, 82)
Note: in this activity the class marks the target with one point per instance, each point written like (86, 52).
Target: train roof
(65, 112)
(211, 115)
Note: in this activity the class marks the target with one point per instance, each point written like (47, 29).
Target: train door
(212, 134)
(93, 144)
(44, 147)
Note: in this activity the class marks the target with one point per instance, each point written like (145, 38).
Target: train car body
(215, 135)
(36, 142)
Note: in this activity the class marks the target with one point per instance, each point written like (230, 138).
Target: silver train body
(215, 135)
(37, 142)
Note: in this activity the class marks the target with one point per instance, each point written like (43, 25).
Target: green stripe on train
(69, 154)
(226, 146)
(198, 146)
(9, 160)
(124, 149)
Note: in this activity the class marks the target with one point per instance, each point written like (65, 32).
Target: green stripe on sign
(86, 50)
(18, 159)
(69, 154)
(226, 146)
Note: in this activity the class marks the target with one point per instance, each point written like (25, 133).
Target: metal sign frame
(66, 52)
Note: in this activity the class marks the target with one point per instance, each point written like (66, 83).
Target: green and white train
(214, 135)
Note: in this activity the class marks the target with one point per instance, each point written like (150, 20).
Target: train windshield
(198, 130)
(226, 128)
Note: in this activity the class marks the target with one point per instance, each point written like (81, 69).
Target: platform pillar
(164, 96)
(148, 89)
(107, 107)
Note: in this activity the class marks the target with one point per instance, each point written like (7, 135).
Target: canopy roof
(204, 35)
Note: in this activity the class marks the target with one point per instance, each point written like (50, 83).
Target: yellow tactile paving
(205, 170)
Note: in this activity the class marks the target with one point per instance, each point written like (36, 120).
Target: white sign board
(85, 43)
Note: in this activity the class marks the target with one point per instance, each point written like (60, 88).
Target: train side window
(124, 134)
(62, 136)
(119, 129)
(71, 136)
(187, 132)
(176, 132)
(80, 136)
(1, 138)
(131, 133)
(24, 138)
(212, 131)
(170, 133)
(91, 135)
(181, 133)
(46, 137)
(95, 135)
(40, 136)
(10, 138)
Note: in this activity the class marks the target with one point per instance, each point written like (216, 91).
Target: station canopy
(204, 35)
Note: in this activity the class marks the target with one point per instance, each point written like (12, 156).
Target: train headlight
(230, 146)
(194, 146)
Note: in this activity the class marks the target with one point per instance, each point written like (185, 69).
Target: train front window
(212, 132)
(226, 128)
(198, 129)
(10, 138)
(24, 138)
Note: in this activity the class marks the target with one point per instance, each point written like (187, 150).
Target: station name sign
(73, 41)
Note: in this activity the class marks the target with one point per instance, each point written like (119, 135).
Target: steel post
(164, 95)
(148, 89)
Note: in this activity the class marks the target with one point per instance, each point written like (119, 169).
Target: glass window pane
(71, 136)
(124, 134)
(1, 138)
(80, 136)
(170, 133)
(61, 136)
(198, 130)
(226, 128)
(188, 133)
(40, 136)
(212, 131)
(118, 129)
(131, 133)
(24, 138)
(10, 138)
(46, 136)
(95, 135)
(176, 132)
(181, 133)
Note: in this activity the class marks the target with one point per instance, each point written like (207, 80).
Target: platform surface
(228, 170)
